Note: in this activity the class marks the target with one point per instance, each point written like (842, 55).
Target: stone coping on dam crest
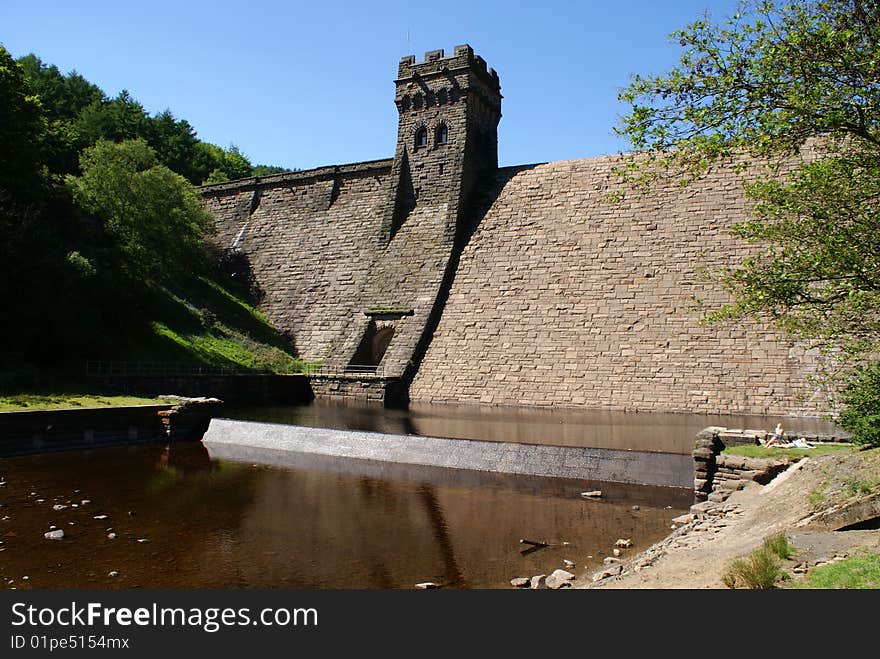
(275, 444)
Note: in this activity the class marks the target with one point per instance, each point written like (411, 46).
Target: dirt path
(696, 554)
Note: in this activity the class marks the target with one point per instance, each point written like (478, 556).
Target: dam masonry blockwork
(437, 276)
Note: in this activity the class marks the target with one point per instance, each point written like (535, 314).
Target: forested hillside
(104, 252)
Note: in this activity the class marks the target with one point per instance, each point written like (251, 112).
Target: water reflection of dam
(662, 432)
(308, 528)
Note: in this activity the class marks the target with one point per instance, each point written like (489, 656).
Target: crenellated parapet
(444, 79)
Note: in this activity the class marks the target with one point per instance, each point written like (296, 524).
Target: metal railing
(356, 370)
(164, 369)
(182, 369)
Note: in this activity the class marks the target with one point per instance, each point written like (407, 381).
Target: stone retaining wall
(60, 430)
(362, 389)
(43, 431)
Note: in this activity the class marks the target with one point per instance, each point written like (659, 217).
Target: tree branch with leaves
(791, 94)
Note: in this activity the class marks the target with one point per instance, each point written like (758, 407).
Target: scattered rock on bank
(608, 572)
(57, 534)
(559, 579)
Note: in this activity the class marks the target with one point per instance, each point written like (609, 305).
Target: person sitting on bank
(777, 437)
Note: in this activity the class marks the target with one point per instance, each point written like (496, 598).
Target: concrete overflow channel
(276, 444)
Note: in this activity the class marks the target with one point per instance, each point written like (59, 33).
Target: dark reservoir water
(226, 525)
(183, 520)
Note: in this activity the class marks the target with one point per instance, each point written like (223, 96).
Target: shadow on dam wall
(295, 446)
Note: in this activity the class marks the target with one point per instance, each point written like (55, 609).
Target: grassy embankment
(204, 323)
(755, 451)
(855, 572)
(851, 474)
(69, 399)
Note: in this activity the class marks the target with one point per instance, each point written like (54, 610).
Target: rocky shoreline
(705, 540)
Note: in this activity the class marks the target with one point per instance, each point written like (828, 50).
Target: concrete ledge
(278, 444)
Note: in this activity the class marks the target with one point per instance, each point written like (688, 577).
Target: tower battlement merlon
(435, 63)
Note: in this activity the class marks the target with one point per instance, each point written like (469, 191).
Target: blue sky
(305, 84)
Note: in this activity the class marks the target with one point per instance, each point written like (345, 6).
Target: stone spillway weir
(287, 445)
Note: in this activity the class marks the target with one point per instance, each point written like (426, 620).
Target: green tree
(63, 98)
(229, 164)
(154, 218)
(121, 118)
(268, 170)
(176, 146)
(794, 85)
(22, 128)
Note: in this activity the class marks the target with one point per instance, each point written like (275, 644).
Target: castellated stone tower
(447, 139)
(447, 134)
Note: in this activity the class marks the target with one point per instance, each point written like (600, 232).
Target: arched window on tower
(421, 137)
(442, 134)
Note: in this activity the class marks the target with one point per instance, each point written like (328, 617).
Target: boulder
(559, 579)
(520, 582)
(612, 571)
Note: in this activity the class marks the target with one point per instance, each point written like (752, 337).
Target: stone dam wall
(310, 240)
(562, 298)
(521, 286)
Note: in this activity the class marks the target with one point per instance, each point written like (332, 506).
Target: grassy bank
(60, 400)
(754, 451)
(201, 322)
(206, 322)
(856, 572)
